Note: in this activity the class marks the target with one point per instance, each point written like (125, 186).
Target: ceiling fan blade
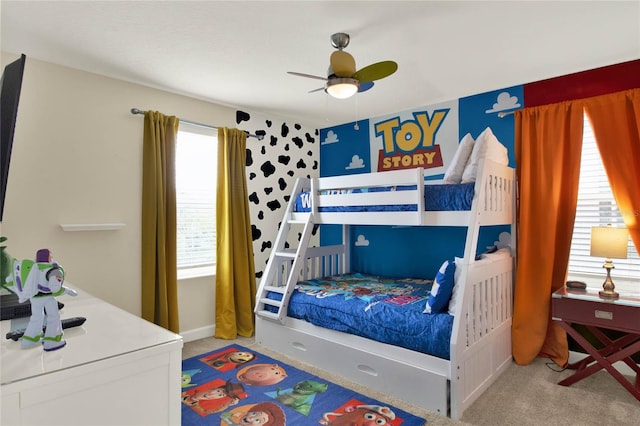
(316, 90)
(343, 64)
(364, 86)
(299, 74)
(375, 71)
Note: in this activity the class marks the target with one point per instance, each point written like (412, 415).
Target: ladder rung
(268, 314)
(288, 254)
(272, 302)
(297, 221)
(284, 261)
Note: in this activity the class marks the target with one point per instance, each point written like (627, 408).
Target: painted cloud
(332, 137)
(356, 163)
(504, 102)
(362, 241)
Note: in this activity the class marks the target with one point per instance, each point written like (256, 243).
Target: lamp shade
(609, 242)
(342, 88)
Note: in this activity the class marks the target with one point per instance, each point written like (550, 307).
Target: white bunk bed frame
(481, 337)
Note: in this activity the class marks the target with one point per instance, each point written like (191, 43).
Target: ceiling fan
(343, 81)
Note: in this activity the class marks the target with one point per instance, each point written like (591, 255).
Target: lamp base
(608, 288)
(610, 295)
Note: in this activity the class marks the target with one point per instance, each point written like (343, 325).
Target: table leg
(611, 346)
(612, 353)
(618, 344)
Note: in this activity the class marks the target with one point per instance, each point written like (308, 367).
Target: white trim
(196, 272)
(198, 333)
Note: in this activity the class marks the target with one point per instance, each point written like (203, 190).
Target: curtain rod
(195, 123)
(504, 114)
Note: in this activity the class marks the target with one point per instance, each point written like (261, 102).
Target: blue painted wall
(422, 137)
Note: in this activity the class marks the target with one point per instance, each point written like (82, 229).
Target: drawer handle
(368, 370)
(604, 315)
(299, 346)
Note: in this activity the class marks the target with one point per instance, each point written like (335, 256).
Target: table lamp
(609, 242)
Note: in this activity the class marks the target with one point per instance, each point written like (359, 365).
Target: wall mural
(424, 137)
(288, 151)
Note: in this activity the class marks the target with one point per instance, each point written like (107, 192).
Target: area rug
(239, 386)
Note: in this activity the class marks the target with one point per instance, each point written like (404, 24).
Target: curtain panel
(159, 259)
(548, 149)
(235, 270)
(615, 120)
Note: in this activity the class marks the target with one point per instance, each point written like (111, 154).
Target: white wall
(77, 159)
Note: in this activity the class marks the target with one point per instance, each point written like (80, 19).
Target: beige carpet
(523, 395)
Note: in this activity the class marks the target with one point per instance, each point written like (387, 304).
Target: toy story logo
(410, 143)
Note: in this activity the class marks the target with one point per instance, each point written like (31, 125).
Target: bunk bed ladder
(285, 264)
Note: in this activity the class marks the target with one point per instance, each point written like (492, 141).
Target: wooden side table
(585, 307)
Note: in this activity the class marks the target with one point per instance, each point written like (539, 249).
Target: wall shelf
(92, 227)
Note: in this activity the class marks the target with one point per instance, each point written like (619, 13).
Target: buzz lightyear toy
(39, 281)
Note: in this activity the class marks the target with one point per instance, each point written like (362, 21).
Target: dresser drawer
(599, 314)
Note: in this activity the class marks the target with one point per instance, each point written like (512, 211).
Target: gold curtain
(548, 143)
(235, 270)
(615, 119)
(159, 261)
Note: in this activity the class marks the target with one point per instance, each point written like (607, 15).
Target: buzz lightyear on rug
(40, 282)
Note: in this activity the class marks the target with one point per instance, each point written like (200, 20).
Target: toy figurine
(40, 282)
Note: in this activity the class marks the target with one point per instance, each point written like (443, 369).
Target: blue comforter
(382, 309)
(436, 197)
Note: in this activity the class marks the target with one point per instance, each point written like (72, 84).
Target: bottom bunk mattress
(387, 310)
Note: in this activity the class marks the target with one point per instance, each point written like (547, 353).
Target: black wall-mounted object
(9, 100)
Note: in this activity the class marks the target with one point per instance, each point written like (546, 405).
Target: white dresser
(116, 369)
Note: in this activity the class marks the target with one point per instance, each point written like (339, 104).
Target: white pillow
(456, 285)
(503, 253)
(487, 146)
(460, 159)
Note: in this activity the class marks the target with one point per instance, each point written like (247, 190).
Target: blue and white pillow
(441, 289)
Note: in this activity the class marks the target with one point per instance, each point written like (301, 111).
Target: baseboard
(620, 366)
(198, 333)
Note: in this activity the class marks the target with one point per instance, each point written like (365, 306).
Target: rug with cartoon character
(238, 386)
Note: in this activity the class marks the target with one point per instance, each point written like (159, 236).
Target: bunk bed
(479, 346)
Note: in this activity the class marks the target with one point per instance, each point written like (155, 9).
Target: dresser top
(591, 294)
(108, 332)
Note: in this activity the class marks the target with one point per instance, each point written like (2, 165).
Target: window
(596, 207)
(196, 174)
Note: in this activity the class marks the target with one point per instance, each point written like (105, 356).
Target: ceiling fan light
(342, 88)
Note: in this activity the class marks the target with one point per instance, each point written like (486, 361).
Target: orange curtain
(615, 119)
(548, 143)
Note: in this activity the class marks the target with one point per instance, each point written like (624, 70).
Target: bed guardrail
(320, 262)
(496, 187)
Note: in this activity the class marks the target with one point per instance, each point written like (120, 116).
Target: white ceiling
(237, 53)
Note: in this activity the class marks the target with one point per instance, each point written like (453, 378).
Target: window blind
(596, 207)
(196, 174)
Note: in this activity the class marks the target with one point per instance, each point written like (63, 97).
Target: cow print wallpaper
(287, 151)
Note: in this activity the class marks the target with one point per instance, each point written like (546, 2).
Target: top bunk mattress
(387, 310)
(438, 197)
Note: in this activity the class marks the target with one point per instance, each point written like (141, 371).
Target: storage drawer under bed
(362, 361)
